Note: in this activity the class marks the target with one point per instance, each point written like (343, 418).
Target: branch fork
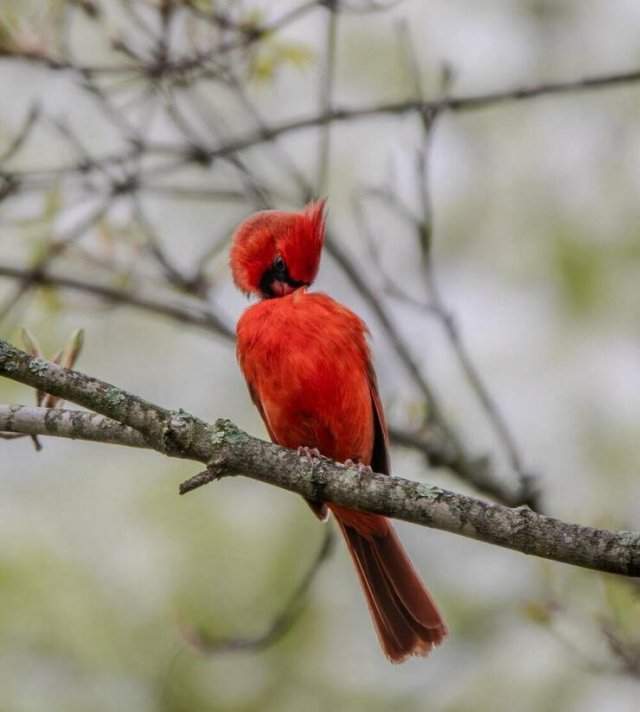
(122, 418)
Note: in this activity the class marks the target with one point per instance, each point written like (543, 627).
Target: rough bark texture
(130, 420)
(74, 424)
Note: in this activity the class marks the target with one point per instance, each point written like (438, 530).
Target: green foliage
(273, 55)
(7, 31)
(580, 271)
(610, 446)
(590, 273)
(26, 24)
(537, 612)
(623, 602)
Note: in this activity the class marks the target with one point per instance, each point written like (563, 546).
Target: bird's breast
(305, 358)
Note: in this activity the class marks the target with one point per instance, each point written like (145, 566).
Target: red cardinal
(308, 367)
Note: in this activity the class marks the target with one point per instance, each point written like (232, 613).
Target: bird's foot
(312, 453)
(362, 469)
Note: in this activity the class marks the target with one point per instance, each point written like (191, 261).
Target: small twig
(451, 104)
(326, 95)
(196, 312)
(280, 625)
(23, 135)
(64, 423)
(55, 249)
(626, 652)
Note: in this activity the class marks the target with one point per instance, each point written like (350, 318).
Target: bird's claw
(362, 468)
(312, 453)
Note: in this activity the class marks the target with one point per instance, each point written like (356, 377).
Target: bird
(309, 370)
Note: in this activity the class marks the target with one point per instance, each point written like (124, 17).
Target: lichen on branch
(127, 419)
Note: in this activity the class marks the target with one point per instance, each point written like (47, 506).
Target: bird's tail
(405, 616)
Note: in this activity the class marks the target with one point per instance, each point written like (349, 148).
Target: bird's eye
(279, 265)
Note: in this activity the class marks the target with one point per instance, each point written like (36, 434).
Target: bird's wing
(258, 404)
(318, 508)
(380, 453)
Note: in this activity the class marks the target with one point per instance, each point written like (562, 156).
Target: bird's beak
(281, 289)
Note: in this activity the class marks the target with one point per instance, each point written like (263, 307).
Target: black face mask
(278, 272)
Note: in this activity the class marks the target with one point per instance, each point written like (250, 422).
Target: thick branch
(173, 433)
(520, 529)
(229, 451)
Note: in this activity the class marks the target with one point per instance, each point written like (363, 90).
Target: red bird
(308, 367)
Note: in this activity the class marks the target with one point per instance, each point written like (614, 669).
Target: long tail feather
(405, 616)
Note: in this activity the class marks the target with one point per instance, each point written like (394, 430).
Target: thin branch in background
(388, 285)
(353, 272)
(183, 124)
(477, 471)
(197, 64)
(360, 7)
(195, 312)
(172, 272)
(282, 157)
(624, 649)
(279, 626)
(55, 249)
(453, 104)
(452, 331)
(424, 235)
(627, 653)
(84, 158)
(437, 420)
(255, 189)
(181, 192)
(138, 21)
(23, 135)
(438, 106)
(113, 113)
(326, 95)
(294, 14)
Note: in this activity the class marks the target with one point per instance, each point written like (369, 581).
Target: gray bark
(126, 419)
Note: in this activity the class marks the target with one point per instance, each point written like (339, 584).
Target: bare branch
(55, 249)
(449, 104)
(229, 451)
(477, 471)
(64, 423)
(337, 115)
(188, 311)
(23, 135)
(326, 95)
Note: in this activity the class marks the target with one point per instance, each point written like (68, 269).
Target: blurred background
(134, 135)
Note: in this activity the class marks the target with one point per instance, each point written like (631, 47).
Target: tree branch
(434, 443)
(229, 451)
(449, 104)
(186, 311)
(63, 423)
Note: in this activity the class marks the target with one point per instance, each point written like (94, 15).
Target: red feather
(308, 367)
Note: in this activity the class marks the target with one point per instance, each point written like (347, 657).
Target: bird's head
(273, 252)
